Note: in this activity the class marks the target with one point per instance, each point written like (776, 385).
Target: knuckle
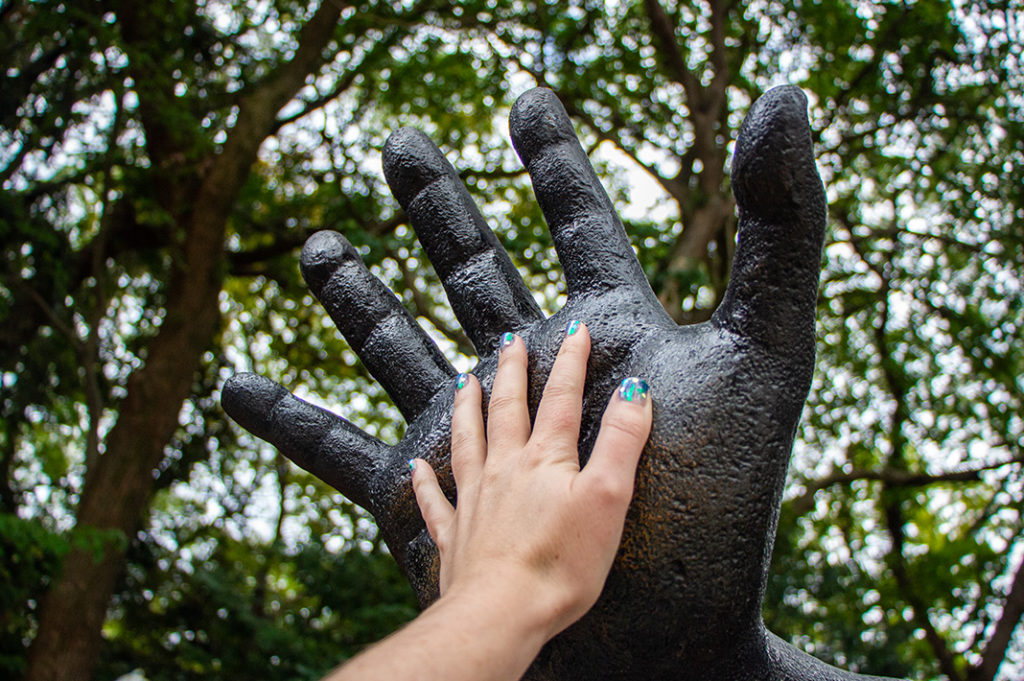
(562, 422)
(440, 537)
(562, 391)
(610, 488)
(632, 425)
(462, 442)
(503, 402)
(493, 475)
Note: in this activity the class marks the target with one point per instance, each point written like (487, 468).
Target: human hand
(684, 594)
(529, 522)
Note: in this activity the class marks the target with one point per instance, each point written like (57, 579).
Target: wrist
(485, 630)
(523, 609)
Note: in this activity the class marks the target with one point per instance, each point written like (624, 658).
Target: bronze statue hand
(684, 596)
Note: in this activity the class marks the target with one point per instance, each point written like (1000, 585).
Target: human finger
(557, 424)
(773, 287)
(434, 506)
(395, 350)
(318, 441)
(469, 444)
(625, 426)
(484, 288)
(508, 418)
(592, 245)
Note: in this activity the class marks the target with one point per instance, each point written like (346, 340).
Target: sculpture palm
(684, 596)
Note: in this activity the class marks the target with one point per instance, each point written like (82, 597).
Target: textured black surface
(683, 599)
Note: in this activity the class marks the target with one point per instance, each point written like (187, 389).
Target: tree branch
(893, 478)
(423, 308)
(720, 77)
(91, 348)
(905, 585)
(879, 45)
(341, 86)
(891, 501)
(496, 174)
(577, 112)
(8, 497)
(664, 31)
(995, 649)
(241, 263)
(155, 392)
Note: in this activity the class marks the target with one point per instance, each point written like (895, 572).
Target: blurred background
(162, 163)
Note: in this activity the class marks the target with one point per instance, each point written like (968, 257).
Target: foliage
(911, 479)
(902, 534)
(221, 607)
(30, 555)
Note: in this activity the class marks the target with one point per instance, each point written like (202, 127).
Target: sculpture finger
(774, 283)
(485, 290)
(591, 242)
(326, 445)
(395, 350)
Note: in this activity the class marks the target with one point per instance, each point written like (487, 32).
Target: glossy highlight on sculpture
(683, 599)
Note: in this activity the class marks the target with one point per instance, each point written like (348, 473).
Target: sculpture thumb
(781, 201)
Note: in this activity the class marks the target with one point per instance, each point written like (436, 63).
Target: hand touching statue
(683, 598)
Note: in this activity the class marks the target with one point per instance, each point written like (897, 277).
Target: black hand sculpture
(683, 599)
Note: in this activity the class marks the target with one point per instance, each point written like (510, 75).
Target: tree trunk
(117, 490)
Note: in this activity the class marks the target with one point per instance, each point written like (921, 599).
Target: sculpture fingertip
(538, 120)
(411, 161)
(789, 95)
(773, 168)
(249, 400)
(322, 254)
(401, 139)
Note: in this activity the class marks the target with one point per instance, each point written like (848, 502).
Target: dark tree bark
(707, 209)
(117, 490)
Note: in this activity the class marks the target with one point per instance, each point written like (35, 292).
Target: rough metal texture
(683, 599)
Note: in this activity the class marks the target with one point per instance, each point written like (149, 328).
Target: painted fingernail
(634, 390)
(461, 380)
(507, 339)
(412, 464)
(572, 328)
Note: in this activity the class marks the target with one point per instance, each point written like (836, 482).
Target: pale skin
(527, 548)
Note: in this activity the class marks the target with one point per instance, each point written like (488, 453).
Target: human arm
(485, 636)
(526, 549)
(685, 592)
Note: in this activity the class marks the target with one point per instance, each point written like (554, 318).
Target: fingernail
(572, 328)
(507, 339)
(461, 380)
(634, 390)
(412, 464)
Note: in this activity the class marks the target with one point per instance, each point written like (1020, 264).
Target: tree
(162, 164)
(177, 132)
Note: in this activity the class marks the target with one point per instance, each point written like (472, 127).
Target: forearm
(475, 637)
(510, 583)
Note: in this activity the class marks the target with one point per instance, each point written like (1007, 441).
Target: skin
(526, 550)
(683, 597)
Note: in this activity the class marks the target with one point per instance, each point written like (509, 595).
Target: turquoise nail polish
(634, 390)
(461, 380)
(572, 328)
(507, 339)
(412, 464)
